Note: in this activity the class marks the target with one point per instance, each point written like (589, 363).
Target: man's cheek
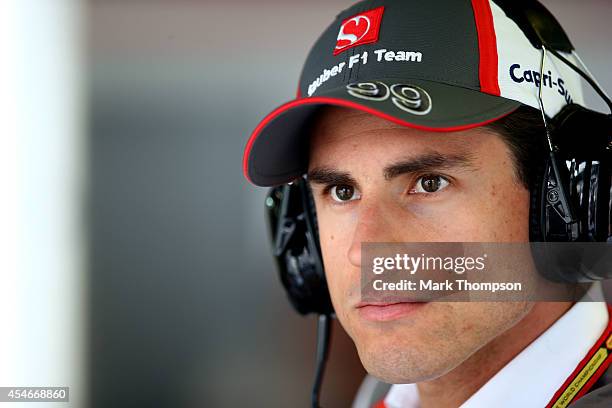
(336, 267)
(333, 237)
(338, 287)
(334, 264)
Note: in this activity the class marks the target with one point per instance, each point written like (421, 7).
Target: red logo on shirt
(358, 30)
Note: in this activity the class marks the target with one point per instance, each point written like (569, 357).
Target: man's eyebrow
(329, 176)
(429, 162)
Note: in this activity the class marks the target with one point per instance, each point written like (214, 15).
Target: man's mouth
(386, 311)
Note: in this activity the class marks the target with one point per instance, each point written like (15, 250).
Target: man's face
(376, 181)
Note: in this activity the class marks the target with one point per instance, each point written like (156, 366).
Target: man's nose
(373, 224)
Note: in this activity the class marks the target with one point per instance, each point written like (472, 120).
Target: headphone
(570, 200)
(293, 226)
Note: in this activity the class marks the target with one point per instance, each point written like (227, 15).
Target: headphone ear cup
(296, 249)
(545, 227)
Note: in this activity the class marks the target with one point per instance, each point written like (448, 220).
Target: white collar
(562, 346)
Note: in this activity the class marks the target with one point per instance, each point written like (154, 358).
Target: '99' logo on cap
(358, 30)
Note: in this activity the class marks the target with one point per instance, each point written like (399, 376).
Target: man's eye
(343, 193)
(430, 184)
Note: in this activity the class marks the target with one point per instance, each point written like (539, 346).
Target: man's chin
(425, 344)
(399, 363)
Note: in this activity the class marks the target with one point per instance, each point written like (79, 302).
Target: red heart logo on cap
(352, 31)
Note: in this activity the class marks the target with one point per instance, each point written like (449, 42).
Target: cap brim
(277, 151)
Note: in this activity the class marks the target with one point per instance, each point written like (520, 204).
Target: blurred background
(136, 266)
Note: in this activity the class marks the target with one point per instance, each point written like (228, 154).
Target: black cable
(323, 335)
(583, 75)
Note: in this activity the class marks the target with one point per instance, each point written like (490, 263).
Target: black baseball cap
(439, 65)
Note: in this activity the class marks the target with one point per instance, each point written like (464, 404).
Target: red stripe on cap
(348, 104)
(487, 46)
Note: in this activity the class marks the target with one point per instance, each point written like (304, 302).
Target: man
(421, 123)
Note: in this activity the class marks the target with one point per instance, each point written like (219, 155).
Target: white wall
(42, 249)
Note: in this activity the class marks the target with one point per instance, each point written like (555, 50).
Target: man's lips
(385, 311)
